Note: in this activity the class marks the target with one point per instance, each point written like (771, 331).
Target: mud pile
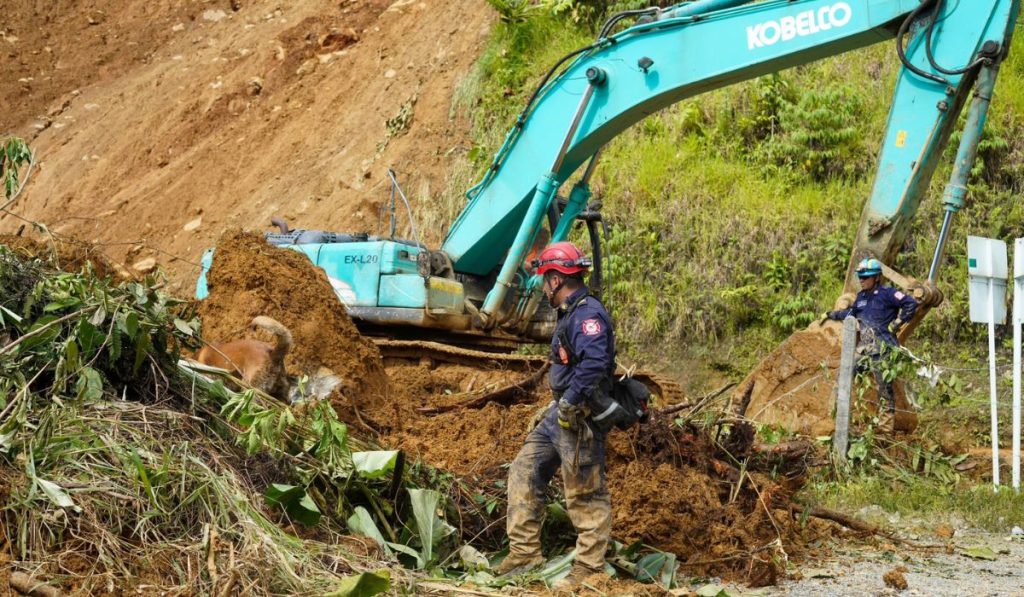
(672, 486)
(794, 386)
(250, 277)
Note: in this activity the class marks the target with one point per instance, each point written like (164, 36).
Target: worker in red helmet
(566, 433)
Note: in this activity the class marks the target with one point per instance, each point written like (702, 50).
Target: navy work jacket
(877, 308)
(582, 347)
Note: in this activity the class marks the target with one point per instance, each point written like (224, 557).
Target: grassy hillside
(734, 212)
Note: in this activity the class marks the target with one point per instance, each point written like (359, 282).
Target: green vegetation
(108, 444)
(734, 212)
(925, 499)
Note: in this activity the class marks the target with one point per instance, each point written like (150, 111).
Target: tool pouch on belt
(618, 403)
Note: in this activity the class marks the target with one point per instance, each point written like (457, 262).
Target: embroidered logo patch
(591, 327)
(899, 295)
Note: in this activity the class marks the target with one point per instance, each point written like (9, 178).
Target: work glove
(896, 326)
(823, 318)
(570, 416)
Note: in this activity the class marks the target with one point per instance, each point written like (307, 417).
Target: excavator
(477, 292)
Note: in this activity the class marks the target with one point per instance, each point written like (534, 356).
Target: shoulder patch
(899, 295)
(591, 327)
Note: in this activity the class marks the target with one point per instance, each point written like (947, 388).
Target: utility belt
(615, 403)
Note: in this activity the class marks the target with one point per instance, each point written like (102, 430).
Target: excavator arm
(708, 44)
(476, 283)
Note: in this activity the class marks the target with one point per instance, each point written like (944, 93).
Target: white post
(1018, 319)
(987, 274)
(992, 378)
(847, 364)
(1016, 390)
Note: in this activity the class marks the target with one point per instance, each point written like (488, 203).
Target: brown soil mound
(794, 386)
(250, 277)
(672, 487)
(668, 489)
(65, 254)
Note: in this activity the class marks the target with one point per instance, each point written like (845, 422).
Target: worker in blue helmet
(881, 311)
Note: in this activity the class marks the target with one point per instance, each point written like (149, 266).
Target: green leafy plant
(820, 135)
(14, 154)
(514, 11)
(795, 312)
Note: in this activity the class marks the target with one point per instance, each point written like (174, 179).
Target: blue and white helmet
(868, 268)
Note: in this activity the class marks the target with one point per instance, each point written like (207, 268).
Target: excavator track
(667, 390)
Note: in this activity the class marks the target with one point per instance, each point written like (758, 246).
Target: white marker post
(1018, 319)
(987, 271)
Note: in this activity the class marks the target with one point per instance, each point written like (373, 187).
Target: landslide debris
(673, 486)
(173, 121)
(250, 277)
(794, 386)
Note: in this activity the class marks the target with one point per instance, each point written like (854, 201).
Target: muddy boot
(514, 565)
(577, 575)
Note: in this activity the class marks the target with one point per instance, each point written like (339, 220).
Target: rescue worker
(881, 311)
(562, 435)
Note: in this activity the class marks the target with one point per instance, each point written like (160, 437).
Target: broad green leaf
(713, 591)
(71, 354)
(89, 386)
(404, 549)
(98, 316)
(57, 494)
(648, 568)
(295, 502)
(471, 558)
(668, 572)
(7, 441)
(89, 337)
(306, 511)
(366, 584)
(183, 327)
(131, 324)
(982, 552)
(557, 568)
(633, 549)
(62, 304)
(375, 464)
(361, 523)
(430, 528)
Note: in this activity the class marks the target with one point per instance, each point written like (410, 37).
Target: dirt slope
(160, 124)
(794, 386)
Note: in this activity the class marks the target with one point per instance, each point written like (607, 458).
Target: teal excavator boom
(477, 284)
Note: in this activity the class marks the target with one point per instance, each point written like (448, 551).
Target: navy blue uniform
(582, 348)
(582, 361)
(875, 309)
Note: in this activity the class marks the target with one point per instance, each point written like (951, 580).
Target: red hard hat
(562, 257)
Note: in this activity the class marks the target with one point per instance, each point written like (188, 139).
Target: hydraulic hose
(928, 48)
(899, 44)
(615, 18)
